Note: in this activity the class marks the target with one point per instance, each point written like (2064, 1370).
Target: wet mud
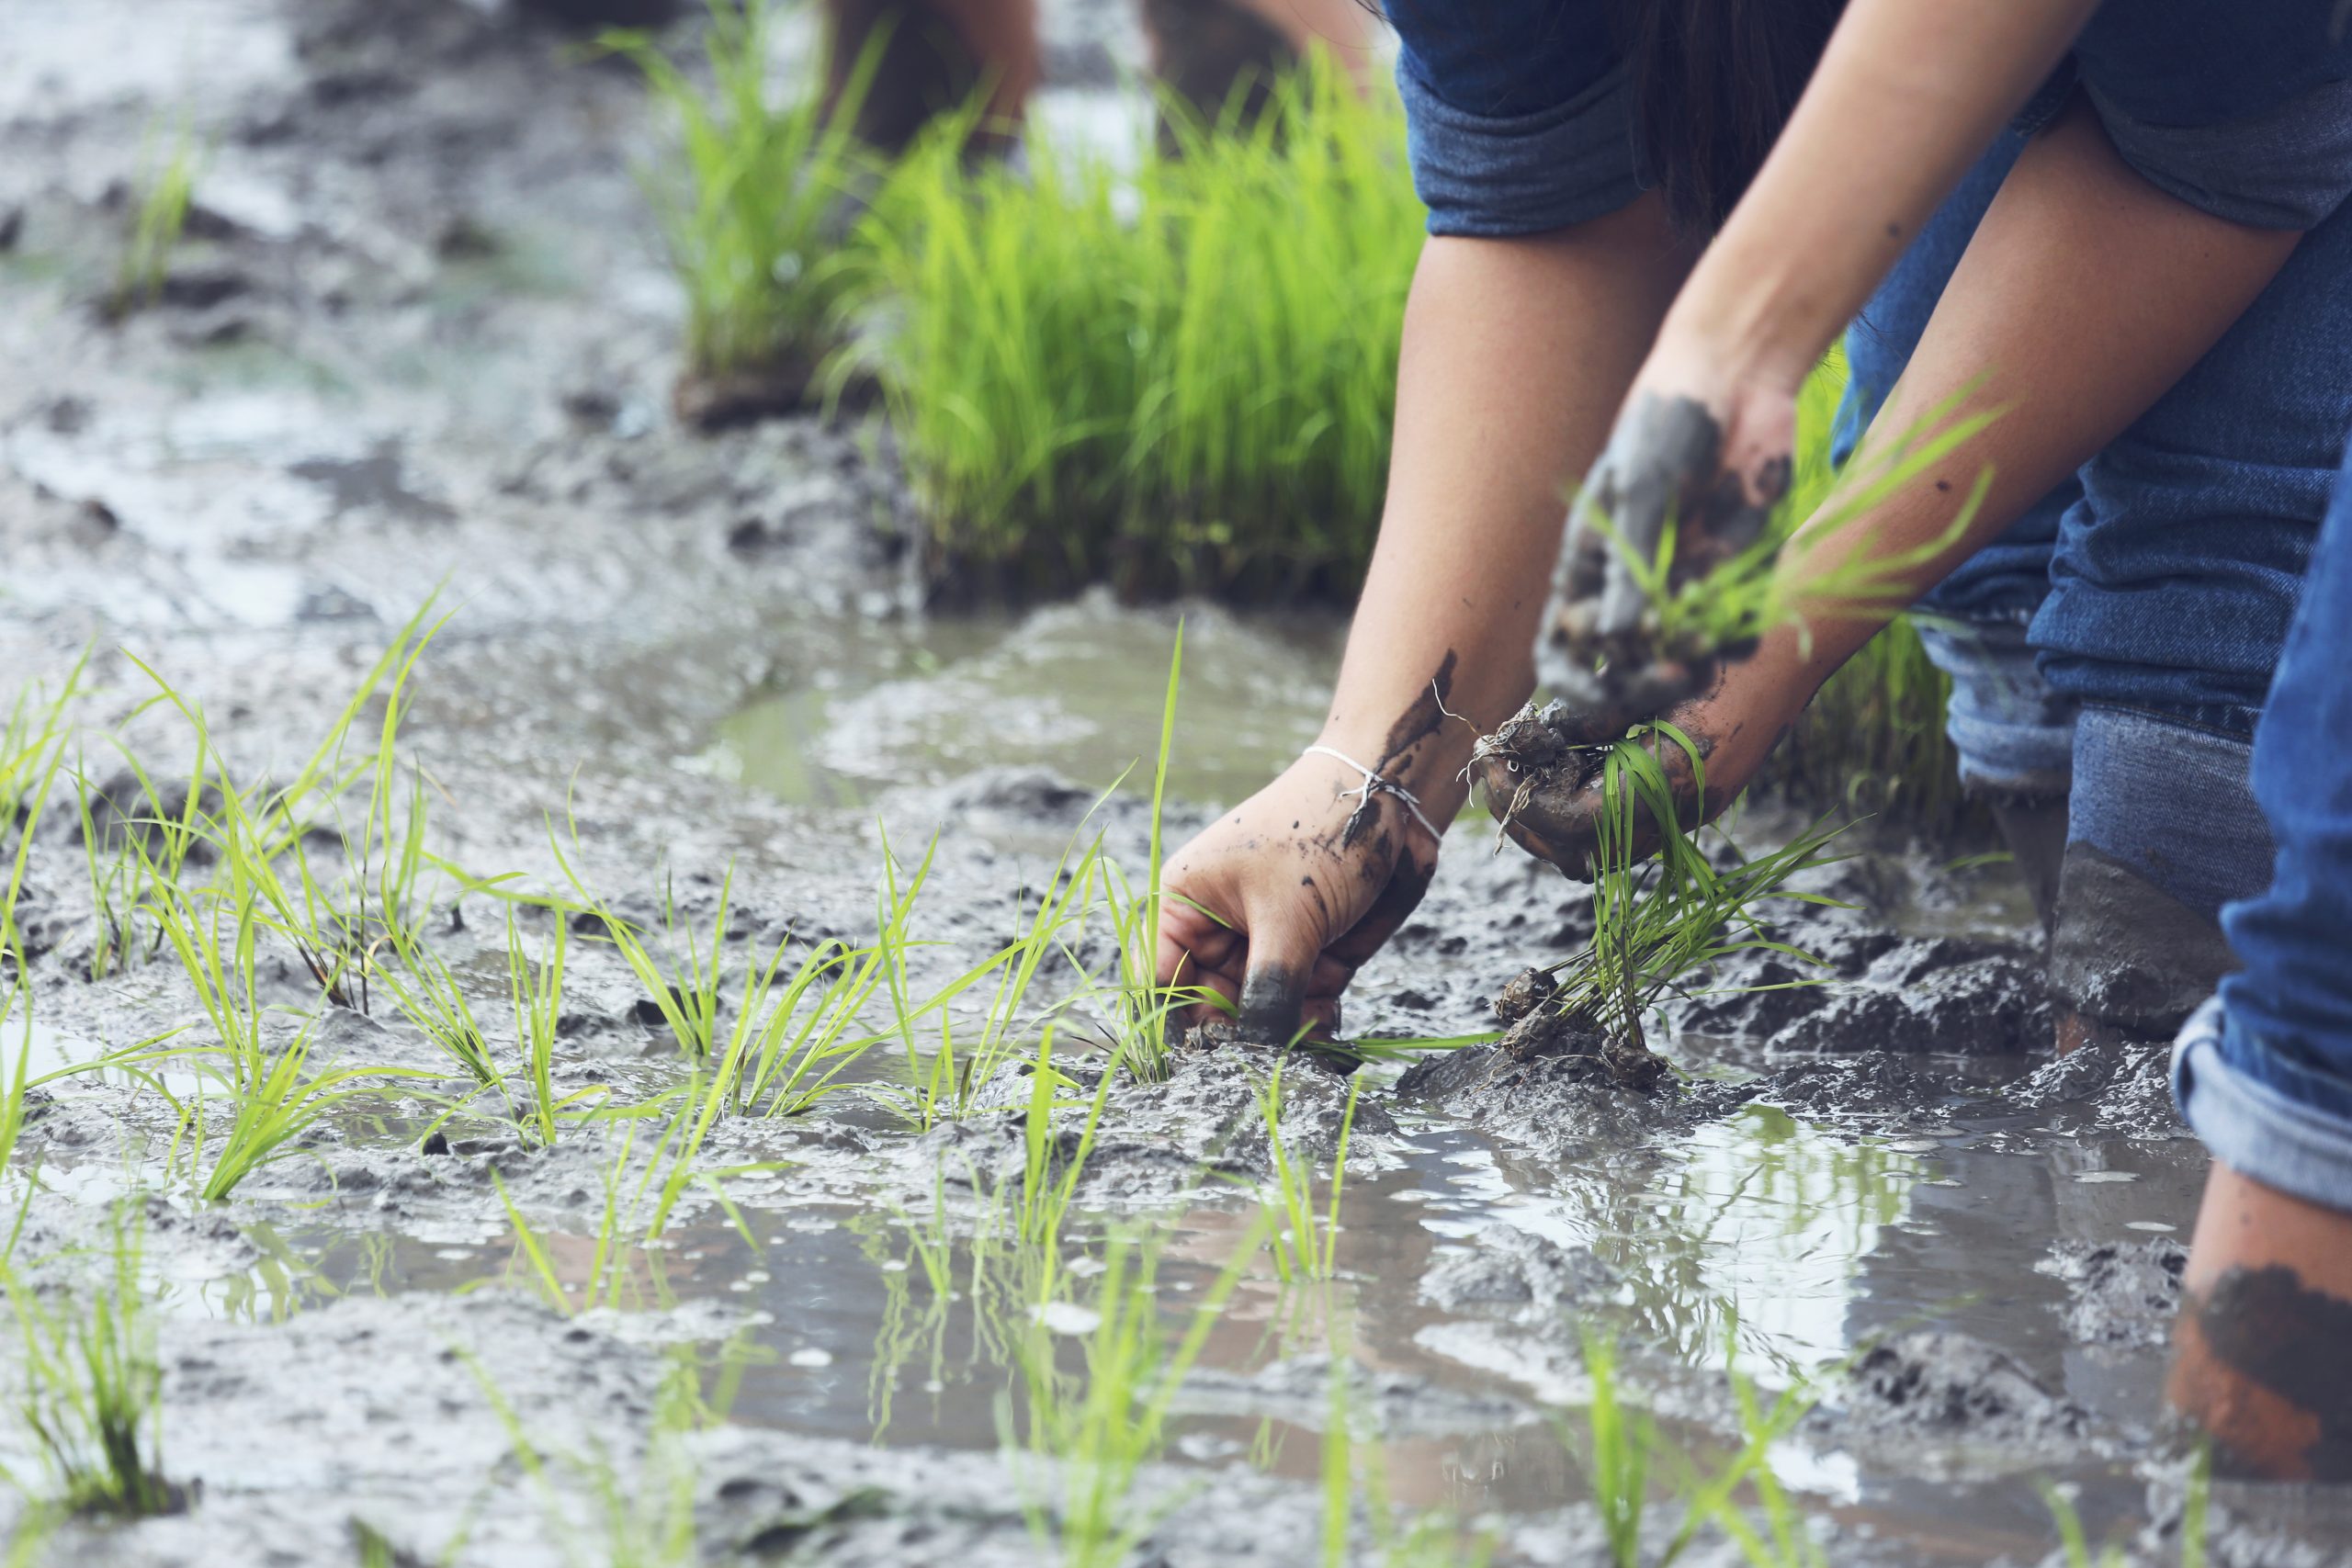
(422, 333)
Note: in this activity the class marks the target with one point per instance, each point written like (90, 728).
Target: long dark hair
(1714, 82)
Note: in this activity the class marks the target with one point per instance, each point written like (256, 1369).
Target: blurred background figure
(937, 53)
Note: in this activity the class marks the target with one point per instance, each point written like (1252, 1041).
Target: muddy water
(436, 349)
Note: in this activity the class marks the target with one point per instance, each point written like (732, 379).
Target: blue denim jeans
(2264, 1073)
(1521, 112)
(2155, 589)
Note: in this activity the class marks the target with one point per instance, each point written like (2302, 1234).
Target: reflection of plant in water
(1763, 1190)
(1097, 1431)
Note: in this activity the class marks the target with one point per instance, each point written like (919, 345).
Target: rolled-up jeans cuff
(1495, 177)
(2014, 735)
(2257, 1129)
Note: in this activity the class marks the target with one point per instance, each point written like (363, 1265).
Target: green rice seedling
(150, 849)
(1142, 1007)
(1656, 921)
(273, 1099)
(12, 1104)
(813, 1036)
(1168, 371)
(751, 215)
(93, 1389)
(536, 992)
(259, 827)
(1305, 1245)
(1784, 1541)
(2070, 1537)
(685, 990)
(1098, 1433)
(32, 753)
(429, 995)
(1050, 1170)
(606, 1281)
(168, 189)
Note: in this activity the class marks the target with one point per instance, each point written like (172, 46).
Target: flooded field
(420, 343)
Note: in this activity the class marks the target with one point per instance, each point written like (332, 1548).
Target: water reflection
(1060, 689)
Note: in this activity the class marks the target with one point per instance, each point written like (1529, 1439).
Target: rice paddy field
(585, 723)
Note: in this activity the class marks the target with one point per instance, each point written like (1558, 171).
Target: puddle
(1060, 689)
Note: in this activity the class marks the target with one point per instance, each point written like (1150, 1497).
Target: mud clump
(1988, 1006)
(2123, 1293)
(1546, 1085)
(2119, 1088)
(1946, 1386)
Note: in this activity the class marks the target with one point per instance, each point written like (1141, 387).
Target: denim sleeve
(2287, 168)
(2243, 109)
(1518, 113)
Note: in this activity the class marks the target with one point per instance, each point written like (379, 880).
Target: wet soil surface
(420, 335)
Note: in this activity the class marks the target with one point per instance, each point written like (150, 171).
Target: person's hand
(1276, 905)
(1703, 446)
(1541, 773)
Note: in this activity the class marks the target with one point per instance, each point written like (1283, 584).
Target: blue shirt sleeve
(1518, 113)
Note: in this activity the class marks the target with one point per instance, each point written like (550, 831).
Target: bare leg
(936, 54)
(2262, 1354)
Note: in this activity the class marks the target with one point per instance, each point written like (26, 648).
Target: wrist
(1752, 325)
(1418, 790)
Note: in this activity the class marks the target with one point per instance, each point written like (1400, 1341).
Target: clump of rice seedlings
(1142, 1007)
(792, 1037)
(274, 1097)
(685, 990)
(1304, 1243)
(167, 188)
(147, 852)
(93, 1390)
(1874, 738)
(429, 995)
(1874, 735)
(261, 830)
(32, 753)
(1172, 372)
(1097, 1431)
(813, 1036)
(536, 992)
(752, 213)
(1657, 921)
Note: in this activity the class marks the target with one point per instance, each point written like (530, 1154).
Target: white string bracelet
(1373, 784)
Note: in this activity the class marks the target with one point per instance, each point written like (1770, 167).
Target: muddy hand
(1275, 906)
(1664, 464)
(1540, 771)
(1540, 777)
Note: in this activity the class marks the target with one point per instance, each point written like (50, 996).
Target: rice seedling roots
(700, 652)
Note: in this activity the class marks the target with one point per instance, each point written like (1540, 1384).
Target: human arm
(2084, 294)
(1516, 352)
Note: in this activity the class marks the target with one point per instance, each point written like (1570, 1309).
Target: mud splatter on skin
(1423, 717)
(2279, 1334)
(1416, 724)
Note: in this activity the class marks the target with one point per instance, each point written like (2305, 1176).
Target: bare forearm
(1907, 97)
(2084, 295)
(1516, 355)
